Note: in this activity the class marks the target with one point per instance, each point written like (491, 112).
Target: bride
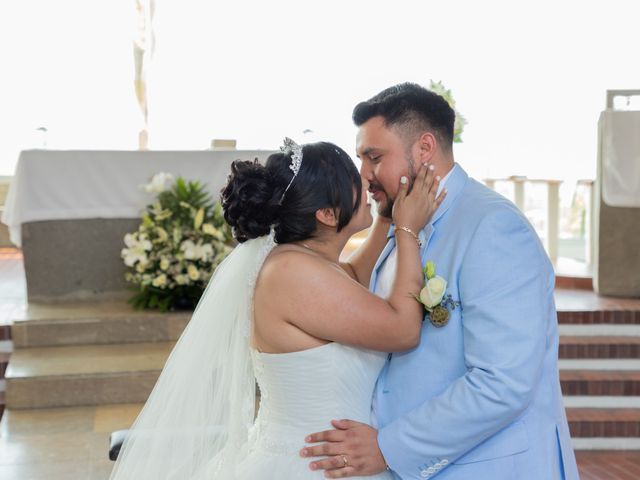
(283, 311)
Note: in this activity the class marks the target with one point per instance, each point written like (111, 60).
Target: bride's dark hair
(251, 199)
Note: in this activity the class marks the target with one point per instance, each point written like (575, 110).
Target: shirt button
(445, 462)
(424, 474)
(431, 470)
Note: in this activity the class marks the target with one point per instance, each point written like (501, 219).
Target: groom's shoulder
(484, 200)
(481, 205)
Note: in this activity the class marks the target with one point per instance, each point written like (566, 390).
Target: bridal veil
(196, 420)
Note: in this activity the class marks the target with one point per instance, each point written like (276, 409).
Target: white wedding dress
(199, 422)
(301, 392)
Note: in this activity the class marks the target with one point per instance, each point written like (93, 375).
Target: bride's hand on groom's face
(350, 449)
(415, 205)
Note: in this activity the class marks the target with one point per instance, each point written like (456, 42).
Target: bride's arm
(325, 302)
(361, 262)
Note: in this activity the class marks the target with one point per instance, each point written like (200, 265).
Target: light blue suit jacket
(480, 397)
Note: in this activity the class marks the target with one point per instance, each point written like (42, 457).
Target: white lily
(196, 252)
(158, 183)
(136, 250)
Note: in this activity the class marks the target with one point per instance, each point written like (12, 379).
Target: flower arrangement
(460, 122)
(181, 240)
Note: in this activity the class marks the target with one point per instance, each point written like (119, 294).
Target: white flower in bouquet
(158, 183)
(136, 250)
(193, 272)
(164, 263)
(182, 279)
(160, 281)
(163, 236)
(196, 252)
(188, 247)
(206, 252)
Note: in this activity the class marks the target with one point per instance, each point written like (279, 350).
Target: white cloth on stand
(75, 184)
(620, 157)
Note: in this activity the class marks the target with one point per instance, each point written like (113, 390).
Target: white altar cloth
(620, 156)
(77, 184)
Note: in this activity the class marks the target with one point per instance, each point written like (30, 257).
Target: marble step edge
(148, 328)
(87, 360)
(605, 443)
(52, 361)
(98, 330)
(601, 401)
(132, 387)
(595, 330)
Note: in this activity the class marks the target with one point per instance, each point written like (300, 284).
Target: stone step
(604, 422)
(84, 375)
(600, 382)
(585, 307)
(599, 330)
(78, 327)
(575, 347)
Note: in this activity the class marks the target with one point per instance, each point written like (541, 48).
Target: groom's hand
(352, 443)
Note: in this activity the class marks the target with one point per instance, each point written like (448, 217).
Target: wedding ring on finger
(345, 460)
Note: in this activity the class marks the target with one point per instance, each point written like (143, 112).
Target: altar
(69, 212)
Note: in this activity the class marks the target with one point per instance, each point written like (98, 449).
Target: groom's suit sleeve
(505, 286)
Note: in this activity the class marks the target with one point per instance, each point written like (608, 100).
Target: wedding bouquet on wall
(181, 240)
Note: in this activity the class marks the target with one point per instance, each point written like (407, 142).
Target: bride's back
(275, 326)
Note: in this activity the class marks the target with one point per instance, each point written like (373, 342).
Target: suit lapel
(455, 185)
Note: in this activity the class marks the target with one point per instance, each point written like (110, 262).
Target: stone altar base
(70, 260)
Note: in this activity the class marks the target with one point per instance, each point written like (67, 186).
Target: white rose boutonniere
(433, 292)
(433, 297)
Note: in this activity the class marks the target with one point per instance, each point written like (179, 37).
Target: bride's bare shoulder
(293, 264)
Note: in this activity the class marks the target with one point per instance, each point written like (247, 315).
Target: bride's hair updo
(252, 199)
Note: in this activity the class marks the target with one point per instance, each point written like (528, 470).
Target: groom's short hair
(412, 109)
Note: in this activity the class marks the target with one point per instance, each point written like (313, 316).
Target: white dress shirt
(387, 273)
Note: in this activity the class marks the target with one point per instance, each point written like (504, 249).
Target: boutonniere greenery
(433, 298)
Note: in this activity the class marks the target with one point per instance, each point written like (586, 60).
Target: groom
(479, 398)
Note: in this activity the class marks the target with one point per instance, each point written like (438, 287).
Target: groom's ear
(327, 217)
(427, 144)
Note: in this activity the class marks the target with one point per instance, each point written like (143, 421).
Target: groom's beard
(386, 209)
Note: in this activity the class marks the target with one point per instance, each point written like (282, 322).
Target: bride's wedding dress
(199, 422)
(301, 392)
